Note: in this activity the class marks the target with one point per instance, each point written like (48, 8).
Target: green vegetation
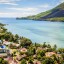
(25, 42)
(55, 14)
(48, 61)
(23, 61)
(30, 53)
(56, 19)
(2, 61)
(61, 6)
(38, 16)
(8, 36)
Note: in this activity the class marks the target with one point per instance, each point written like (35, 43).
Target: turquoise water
(37, 31)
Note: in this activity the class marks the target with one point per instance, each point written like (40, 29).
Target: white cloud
(10, 14)
(16, 14)
(29, 9)
(9, 2)
(45, 6)
(61, 1)
(23, 11)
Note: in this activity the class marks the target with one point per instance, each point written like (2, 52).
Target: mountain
(55, 14)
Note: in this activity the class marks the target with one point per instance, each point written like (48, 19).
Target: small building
(23, 50)
(2, 47)
(58, 55)
(6, 43)
(39, 48)
(15, 44)
(3, 50)
(11, 61)
(13, 50)
(21, 57)
(35, 56)
(37, 62)
(49, 54)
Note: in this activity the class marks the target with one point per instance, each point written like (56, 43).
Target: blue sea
(37, 31)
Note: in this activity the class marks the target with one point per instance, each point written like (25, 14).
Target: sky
(22, 8)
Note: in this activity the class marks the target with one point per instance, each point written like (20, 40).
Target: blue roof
(3, 46)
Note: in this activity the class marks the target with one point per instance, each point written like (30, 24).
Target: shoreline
(23, 50)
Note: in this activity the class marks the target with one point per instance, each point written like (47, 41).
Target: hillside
(55, 14)
(15, 49)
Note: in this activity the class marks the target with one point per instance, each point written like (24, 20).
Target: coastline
(23, 50)
(40, 20)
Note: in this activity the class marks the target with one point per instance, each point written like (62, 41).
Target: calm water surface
(37, 31)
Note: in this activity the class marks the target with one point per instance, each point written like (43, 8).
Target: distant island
(55, 14)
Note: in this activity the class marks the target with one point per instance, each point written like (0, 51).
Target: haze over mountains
(55, 14)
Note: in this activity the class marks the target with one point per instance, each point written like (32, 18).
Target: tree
(48, 46)
(40, 54)
(23, 61)
(2, 61)
(48, 61)
(62, 56)
(30, 60)
(37, 45)
(8, 36)
(54, 57)
(44, 45)
(60, 50)
(55, 47)
(16, 37)
(31, 50)
(25, 42)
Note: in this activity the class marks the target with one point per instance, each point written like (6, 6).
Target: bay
(37, 31)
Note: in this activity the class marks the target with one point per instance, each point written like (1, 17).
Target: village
(21, 50)
(14, 56)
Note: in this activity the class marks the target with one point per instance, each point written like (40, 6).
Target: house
(3, 51)
(15, 44)
(23, 50)
(3, 54)
(49, 54)
(6, 43)
(39, 48)
(58, 55)
(2, 47)
(21, 57)
(11, 61)
(12, 50)
(37, 62)
(45, 48)
(18, 57)
(34, 56)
